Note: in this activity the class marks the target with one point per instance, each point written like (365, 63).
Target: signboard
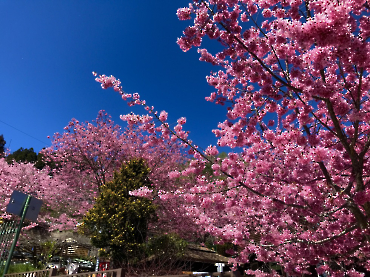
(26, 207)
(16, 204)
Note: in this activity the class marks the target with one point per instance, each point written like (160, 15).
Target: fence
(105, 273)
(204, 274)
(108, 273)
(38, 273)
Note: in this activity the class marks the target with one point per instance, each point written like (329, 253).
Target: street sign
(24, 206)
(16, 204)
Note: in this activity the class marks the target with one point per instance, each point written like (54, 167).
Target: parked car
(86, 266)
(56, 262)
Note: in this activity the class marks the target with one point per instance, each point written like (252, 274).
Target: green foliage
(26, 155)
(222, 155)
(48, 250)
(16, 268)
(119, 220)
(22, 155)
(40, 164)
(167, 245)
(103, 253)
(2, 146)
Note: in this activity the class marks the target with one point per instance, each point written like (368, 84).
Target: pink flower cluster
(296, 91)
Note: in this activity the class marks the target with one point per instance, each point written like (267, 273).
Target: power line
(24, 132)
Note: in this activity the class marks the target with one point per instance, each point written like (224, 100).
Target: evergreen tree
(119, 220)
(22, 155)
(26, 155)
(2, 146)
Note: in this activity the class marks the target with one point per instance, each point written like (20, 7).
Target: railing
(38, 273)
(213, 274)
(204, 274)
(108, 273)
(105, 273)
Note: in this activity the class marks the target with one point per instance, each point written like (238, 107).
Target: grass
(16, 268)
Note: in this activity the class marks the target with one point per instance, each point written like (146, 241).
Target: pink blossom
(295, 89)
(211, 150)
(181, 121)
(142, 192)
(319, 154)
(266, 13)
(362, 197)
(163, 116)
(174, 174)
(184, 13)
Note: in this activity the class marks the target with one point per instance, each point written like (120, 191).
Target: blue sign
(16, 205)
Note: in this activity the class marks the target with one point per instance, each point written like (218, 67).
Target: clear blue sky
(49, 49)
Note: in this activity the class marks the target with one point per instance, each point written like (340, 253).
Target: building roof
(202, 254)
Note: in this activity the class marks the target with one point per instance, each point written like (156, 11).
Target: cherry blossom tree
(294, 77)
(62, 206)
(87, 154)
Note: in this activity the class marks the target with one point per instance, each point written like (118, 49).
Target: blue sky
(49, 49)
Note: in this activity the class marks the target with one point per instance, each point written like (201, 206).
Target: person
(73, 267)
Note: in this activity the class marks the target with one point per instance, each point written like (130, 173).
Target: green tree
(26, 155)
(23, 155)
(2, 146)
(119, 220)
